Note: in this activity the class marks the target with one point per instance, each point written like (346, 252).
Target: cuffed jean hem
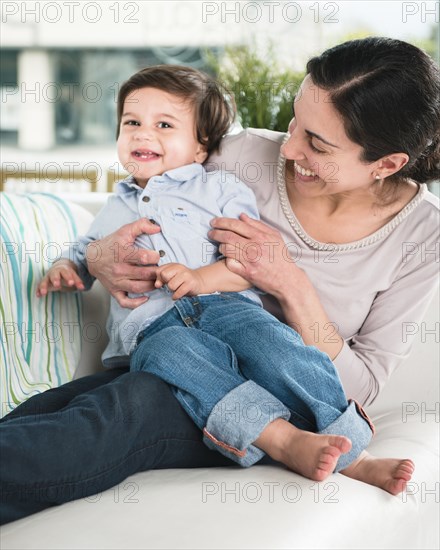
(239, 418)
(353, 421)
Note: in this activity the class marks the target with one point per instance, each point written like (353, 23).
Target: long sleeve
(99, 228)
(237, 198)
(384, 341)
(375, 294)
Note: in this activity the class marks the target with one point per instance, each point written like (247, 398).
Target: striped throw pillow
(40, 337)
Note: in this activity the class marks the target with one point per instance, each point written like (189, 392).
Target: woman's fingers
(234, 250)
(139, 257)
(134, 254)
(136, 273)
(126, 302)
(257, 224)
(120, 253)
(238, 227)
(109, 258)
(138, 227)
(235, 266)
(137, 286)
(246, 226)
(243, 237)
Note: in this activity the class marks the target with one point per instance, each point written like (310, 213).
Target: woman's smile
(304, 175)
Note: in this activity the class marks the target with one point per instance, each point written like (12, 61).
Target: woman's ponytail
(426, 167)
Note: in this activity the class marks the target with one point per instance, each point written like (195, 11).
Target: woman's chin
(307, 185)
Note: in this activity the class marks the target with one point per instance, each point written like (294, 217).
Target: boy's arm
(183, 281)
(70, 271)
(86, 248)
(217, 277)
(235, 198)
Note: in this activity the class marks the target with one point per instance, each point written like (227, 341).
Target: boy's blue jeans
(235, 368)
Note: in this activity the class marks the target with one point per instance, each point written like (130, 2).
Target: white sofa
(263, 506)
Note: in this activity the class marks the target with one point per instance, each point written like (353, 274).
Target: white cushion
(41, 338)
(259, 507)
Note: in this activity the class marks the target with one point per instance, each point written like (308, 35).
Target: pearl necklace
(371, 239)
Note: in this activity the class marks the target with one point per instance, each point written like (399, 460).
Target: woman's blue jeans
(89, 435)
(235, 368)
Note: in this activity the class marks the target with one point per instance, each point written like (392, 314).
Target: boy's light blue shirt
(182, 202)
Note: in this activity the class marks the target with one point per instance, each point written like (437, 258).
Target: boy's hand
(62, 276)
(179, 279)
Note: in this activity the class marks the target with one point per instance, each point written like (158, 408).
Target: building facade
(62, 62)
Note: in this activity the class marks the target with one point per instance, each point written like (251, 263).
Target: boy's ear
(201, 154)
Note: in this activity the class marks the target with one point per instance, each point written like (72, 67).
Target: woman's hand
(258, 253)
(121, 266)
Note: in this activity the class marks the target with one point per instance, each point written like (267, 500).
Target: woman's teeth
(303, 171)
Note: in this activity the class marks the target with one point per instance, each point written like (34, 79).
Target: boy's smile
(157, 134)
(143, 155)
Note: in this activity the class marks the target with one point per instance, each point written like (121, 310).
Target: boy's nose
(144, 134)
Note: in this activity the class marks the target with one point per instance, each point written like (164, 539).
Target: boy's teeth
(147, 154)
(303, 171)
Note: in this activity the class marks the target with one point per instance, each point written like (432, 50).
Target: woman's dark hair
(213, 112)
(388, 93)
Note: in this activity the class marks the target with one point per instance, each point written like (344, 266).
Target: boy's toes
(329, 457)
(407, 465)
(340, 442)
(396, 486)
(404, 470)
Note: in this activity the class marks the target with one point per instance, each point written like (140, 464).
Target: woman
(343, 261)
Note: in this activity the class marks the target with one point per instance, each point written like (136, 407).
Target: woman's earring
(377, 177)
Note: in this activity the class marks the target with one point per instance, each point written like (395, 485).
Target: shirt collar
(184, 173)
(178, 175)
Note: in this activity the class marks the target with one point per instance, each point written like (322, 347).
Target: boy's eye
(131, 123)
(164, 125)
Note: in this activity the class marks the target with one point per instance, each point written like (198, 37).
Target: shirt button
(146, 199)
(161, 253)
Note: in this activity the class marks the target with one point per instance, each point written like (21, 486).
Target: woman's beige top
(375, 290)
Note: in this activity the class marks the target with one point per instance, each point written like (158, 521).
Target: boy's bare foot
(312, 455)
(390, 474)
